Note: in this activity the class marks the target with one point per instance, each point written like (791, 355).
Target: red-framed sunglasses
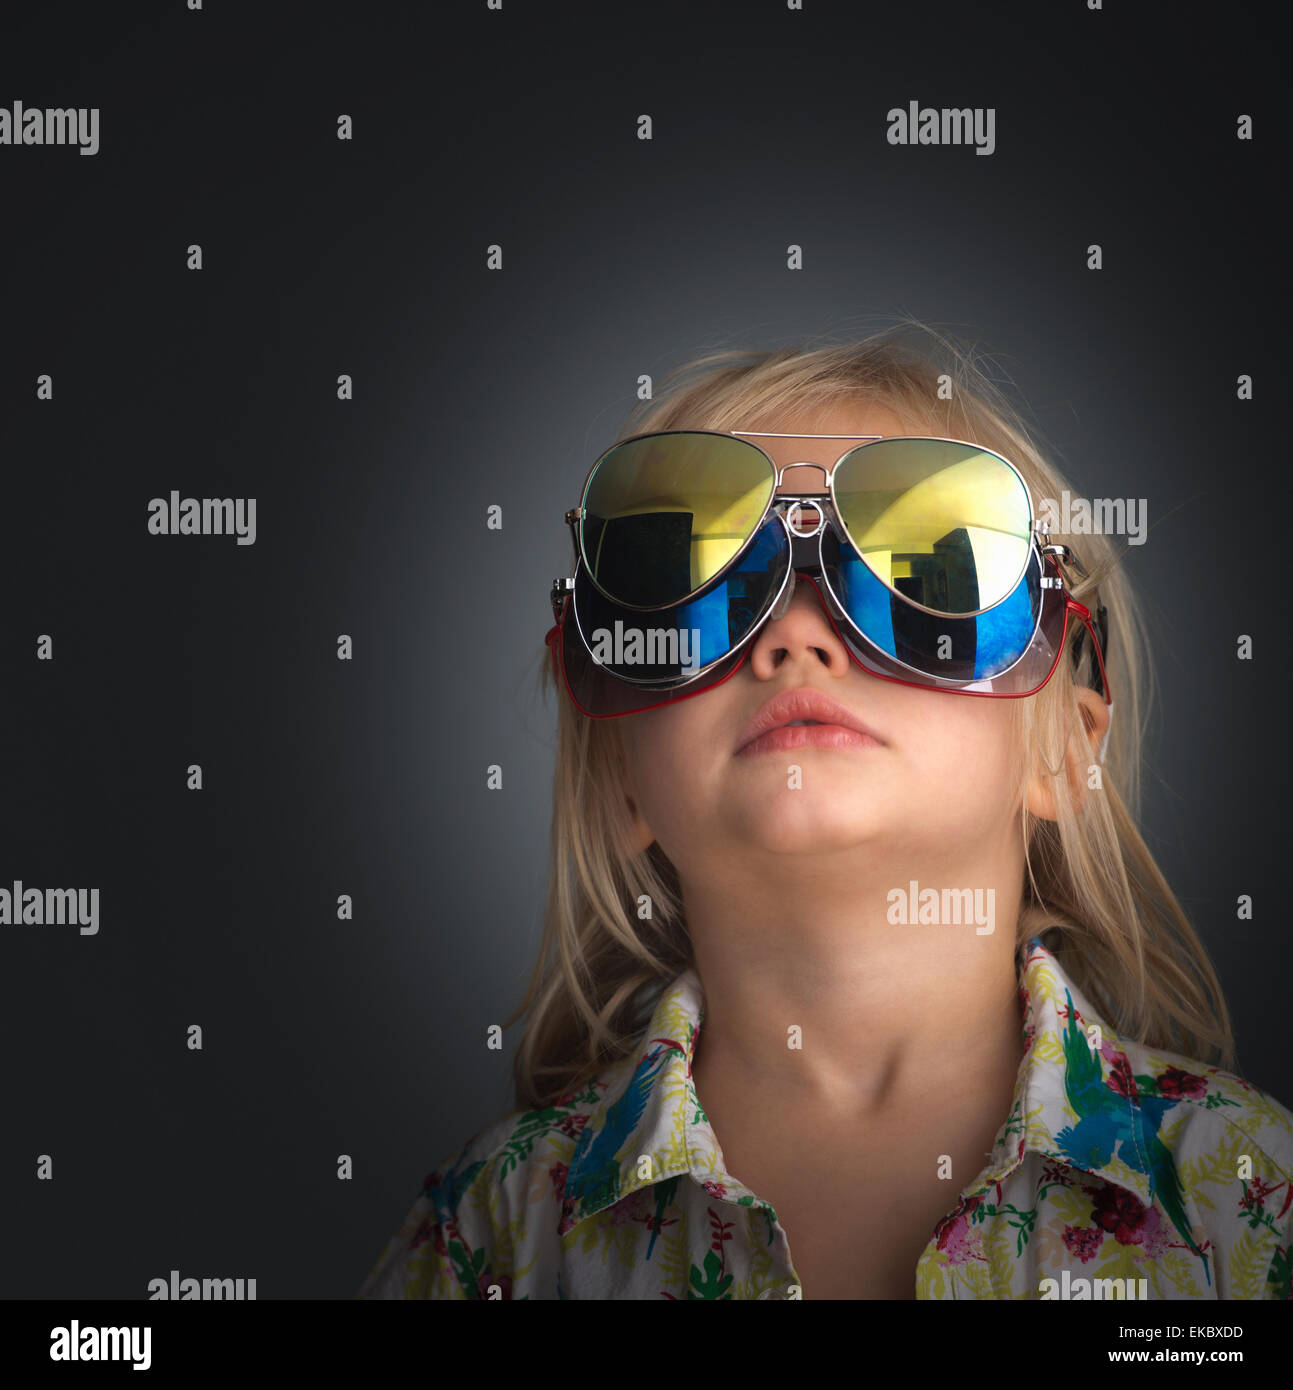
(925, 553)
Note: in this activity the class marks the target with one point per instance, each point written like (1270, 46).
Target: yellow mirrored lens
(664, 514)
(946, 525)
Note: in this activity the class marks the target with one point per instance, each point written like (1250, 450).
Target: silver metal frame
(574, 517)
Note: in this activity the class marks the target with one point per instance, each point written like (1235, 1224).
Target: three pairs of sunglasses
(925, 552)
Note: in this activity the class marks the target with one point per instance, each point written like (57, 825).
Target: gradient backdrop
(472, 388)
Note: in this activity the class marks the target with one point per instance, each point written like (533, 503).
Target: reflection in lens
(947, 647)
(664, 514)
(946, 525)
(646, 646)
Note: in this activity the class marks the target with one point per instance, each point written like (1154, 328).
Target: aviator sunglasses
(925, 553)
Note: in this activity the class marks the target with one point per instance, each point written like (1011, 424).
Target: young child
(858, 979)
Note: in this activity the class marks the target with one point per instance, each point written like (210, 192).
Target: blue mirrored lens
(953, 648)
(665, 643)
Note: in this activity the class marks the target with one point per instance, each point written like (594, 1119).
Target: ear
(1081, 751)
(642, 831)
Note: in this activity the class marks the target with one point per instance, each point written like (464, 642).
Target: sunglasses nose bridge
(799, 510)
(805, 559)
(805, 555)
(821, 468)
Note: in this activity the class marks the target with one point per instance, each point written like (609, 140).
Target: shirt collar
(650, 1107)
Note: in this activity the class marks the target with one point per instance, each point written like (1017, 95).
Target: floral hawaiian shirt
(1121, 1171)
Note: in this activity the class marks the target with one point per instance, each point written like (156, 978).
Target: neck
(818, 1001)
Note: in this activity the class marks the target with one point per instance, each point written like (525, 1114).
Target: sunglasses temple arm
(1098, 640)
(562, 587)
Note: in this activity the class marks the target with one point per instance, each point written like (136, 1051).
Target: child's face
(938, 782)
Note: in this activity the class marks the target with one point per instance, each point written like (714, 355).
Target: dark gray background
(621, 257)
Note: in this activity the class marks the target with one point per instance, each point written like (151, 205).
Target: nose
(801, 631)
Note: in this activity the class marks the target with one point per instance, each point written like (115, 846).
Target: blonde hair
(1091, 880)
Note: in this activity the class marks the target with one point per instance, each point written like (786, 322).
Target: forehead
(855, 418)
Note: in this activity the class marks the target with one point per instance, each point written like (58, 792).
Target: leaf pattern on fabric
(1114, 1161)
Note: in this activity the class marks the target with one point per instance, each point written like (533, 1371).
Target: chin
(813, 824)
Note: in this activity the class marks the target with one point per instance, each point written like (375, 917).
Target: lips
(804, 703)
